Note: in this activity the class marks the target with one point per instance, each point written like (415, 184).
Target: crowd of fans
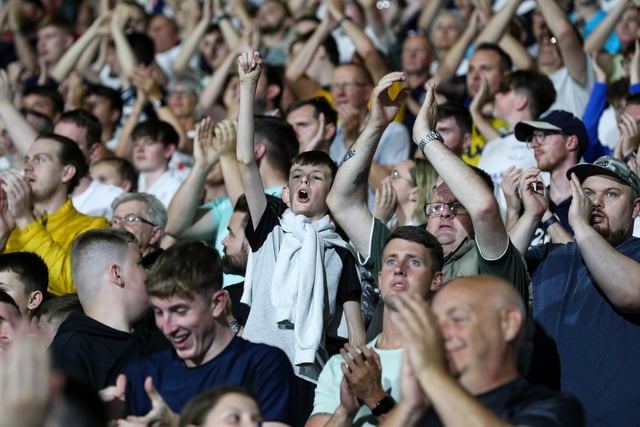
(304, 213)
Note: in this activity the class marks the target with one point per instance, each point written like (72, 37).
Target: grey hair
(156, 212)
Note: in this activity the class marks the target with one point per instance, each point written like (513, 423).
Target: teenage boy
(154, 142)
(313, 274)
(24, 276)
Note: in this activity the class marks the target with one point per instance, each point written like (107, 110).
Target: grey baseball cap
(610, 166)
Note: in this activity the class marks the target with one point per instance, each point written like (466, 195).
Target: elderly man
(144, 216)
(460, 361)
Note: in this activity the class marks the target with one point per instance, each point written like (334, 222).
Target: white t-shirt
(96, 199)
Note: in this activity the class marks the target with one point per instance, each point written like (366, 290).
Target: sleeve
(327, 397)
(591, 118)
(511, 267)
(379, 235)
(349, 287)
(68, 358)
(258, 236)
(394, 145)
(556, 411)
(35, 238)
(274, 386)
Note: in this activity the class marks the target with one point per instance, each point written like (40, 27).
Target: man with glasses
(559, 139)
(144, 216)
(351, 88)
(463, 214)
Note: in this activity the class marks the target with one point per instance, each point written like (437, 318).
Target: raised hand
(249, 67)
(204, 151)
(510, 185)
(533, 192)
(385, 201)
(226, 133)
(384, 107)
(427, 116)
(581, 208)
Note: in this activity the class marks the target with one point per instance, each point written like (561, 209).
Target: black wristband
(384, 406)
(549, 222)
(341, 20)
(630, 155)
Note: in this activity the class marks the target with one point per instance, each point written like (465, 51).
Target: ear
(413, 194)
(286, 196)
(156, 235)
(219, 302)
(34, 300)
(115, 274)
(169, 150)
(272, 92)
(437, 281)
(126, 185)
(330, 131)
(572, 143)
(68, 172)
(467, 140)
(94, 152)
(510, 322)
(259, 150)
(522, 103)
(636, 207)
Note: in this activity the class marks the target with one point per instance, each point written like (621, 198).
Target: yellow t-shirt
(471, 155)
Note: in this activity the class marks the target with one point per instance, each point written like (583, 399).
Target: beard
(234, 264)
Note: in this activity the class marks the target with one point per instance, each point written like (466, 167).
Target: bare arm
(429, 12)
(598, 37)
(184, 204)
(123, 49)
(615, 274)
(70, 59)
(249, 68)
(21, 133)
(347, 198)
(464, 183)
(226, 136)
(190, 43)
(24, 51)
(124, 148)
(303, 86)
(568, 41)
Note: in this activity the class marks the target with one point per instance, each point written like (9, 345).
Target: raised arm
(302, 85)
(21, 133)
(190, 43)
(70, 59)
(568, 40)
(347, 199)
(249, 68)
(183, 209)
(470, 190)
(123, 49)
(598, 37)
(615, 274)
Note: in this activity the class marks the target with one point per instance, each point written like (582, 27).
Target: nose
(225, 241)
(400, 268)
(165, 324)
(596, 200)
(446, 212)
(119, 225)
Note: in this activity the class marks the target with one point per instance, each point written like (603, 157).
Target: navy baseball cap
(558, 121)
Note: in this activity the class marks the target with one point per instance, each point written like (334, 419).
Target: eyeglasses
(346, 85)
(130, 219)
(540, 136)
(437, 208)
(395, 175)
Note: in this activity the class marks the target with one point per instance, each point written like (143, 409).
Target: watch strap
(383, 406)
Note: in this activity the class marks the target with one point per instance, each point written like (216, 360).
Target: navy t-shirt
(264, 370)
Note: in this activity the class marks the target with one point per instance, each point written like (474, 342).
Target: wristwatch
(384, 406)
(433, 135)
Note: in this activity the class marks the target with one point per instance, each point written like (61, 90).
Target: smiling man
(460, 361)
(190, 309)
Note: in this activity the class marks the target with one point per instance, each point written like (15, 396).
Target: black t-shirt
(523, 404)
